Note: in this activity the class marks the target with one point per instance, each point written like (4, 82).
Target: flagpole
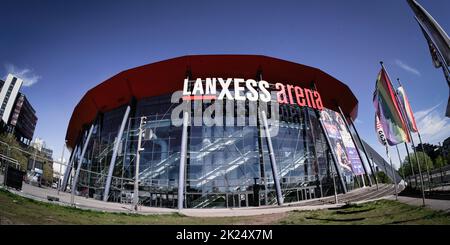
(420, 141)
(394, 178)
(400, 162)
(417, 160)
(373, 168)
(426, 160)
(408, 155)
(365, 153)
(410, 163)
(409, 134)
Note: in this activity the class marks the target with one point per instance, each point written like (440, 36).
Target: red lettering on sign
(300, 96)
(318, 100)
(303, 96)
(281, 95)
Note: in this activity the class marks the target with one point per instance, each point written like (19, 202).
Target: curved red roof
(167, 76)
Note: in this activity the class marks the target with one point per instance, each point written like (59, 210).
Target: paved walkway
(42, 194)
(436, 204)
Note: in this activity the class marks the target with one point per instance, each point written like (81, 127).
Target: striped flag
(403, 99)
(388, 111)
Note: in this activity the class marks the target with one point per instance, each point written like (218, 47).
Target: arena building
(216, 131)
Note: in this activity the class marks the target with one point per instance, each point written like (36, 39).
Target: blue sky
(64, 48)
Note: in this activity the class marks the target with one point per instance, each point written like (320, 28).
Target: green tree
(383, 178)
(12, 151)
(47, 164)
(48, 172)
(18, 152)
(429, 149)
(440, 162)
(424, 160)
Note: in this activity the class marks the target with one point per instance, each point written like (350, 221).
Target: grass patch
(380, 212)
(19, 210)
(335, 219)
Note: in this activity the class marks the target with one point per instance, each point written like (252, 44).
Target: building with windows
(17, 114)
(23, 119)
(275, 132)
(40, 145)
(8, 95)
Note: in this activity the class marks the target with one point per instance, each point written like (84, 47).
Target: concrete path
(42, 194)
(435, 204)
(231, 212)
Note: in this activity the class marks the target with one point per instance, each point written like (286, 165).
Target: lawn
(383, 212)
(18, 210)
(15, 209)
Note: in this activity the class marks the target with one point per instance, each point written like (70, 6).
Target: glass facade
(226, 166)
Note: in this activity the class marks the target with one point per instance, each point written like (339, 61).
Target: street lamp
(138, 153)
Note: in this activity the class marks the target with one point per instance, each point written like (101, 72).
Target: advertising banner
(341, 141)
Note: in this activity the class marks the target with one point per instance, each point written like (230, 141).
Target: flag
(409, 115)
(388, 111)
(438, 41)
(379, 130)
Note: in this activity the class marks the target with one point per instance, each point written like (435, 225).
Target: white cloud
(27, 75)
(423, 113)
(434, 127)
(407, 68)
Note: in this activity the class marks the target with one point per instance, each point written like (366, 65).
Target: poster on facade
(331, 128)
(341, 141)
(350, 148)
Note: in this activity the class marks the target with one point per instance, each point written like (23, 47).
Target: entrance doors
(238, 200)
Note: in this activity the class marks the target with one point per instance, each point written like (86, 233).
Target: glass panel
(223, 168)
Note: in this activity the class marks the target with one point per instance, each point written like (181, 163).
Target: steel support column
(365, 152)
(356, 146)
(112, 164)
(273, 162)
(80, 161)
(68, 170)
(182, 170)
(316, 160)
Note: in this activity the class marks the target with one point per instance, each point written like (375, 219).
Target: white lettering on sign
(249, 89)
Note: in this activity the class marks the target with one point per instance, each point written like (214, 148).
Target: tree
(18, 152)
(429, 149)
(13, 151)
(47, 163)
(48, 173)
(424, 159)
(383, 178)
(440, 162)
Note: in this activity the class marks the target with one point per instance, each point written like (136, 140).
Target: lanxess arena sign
(249, 89)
